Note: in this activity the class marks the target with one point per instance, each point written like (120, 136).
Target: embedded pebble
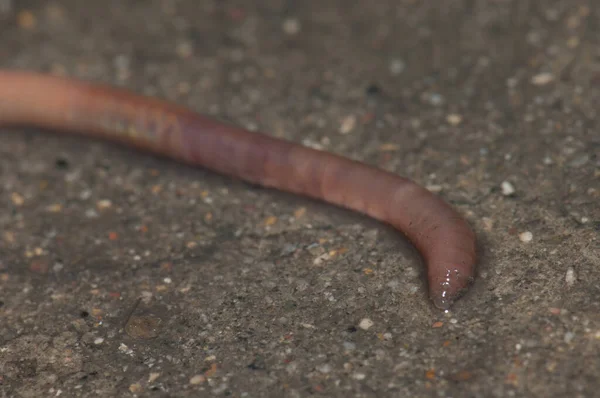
(349, 346)
(291, 26)
(348, 124)
(507, 188)
(435, 188)
(571, 276)
(325, 368)
(454, 119)
(569, 336)
(135, 388)
(143, 327)
(365, 324)
(488, 223)
(436, 99)
(526, 236)
(397, 66)
(542, 79)
(104, 204)
(17, 199)
(198, 379)
(580, 160)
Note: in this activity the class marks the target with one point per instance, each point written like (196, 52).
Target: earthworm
(444, 238)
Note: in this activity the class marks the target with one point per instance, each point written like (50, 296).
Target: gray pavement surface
(122, 274)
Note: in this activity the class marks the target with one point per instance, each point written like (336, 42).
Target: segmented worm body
(442, 236)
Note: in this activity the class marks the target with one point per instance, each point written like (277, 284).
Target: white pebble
(507, 188)
(570, 276)
(198, 379)
(104, 204)
(85, 194)
(359, 376)
(454, 119)
(397, 66)
(349, 346)
(98, 340)
(542, 79)
(526, 236)
(325, 368)
(291, 26)
(434, 188)
(91, 213)
(365, 324)
(569, 336)
(436, 99)
(348, 124)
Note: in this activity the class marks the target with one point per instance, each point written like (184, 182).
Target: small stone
(507, 188)
(365, 324)
(435, 188)
(103, 204)
(488, 223)
(135, 388)
(526, 236)
(349, 346)
(542, 79)
(143, 327)
(325, 368)
(125, 350)
(348, 124)
(454, 119)
(436, 99)
(359, 376)
(91, 213)
(580, 160)
(397, 66)
(291, 26)
(571, 276)
(98, 341)
(198, 379)
(17, 199)
(184, 49)
(569, 336)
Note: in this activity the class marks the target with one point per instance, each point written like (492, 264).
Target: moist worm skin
(442, 236)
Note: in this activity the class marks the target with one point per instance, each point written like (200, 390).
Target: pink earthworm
(444, 238)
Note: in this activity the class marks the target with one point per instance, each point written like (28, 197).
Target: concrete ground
(126, 275)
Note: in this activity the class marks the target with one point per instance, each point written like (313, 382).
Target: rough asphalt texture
(126, 275)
